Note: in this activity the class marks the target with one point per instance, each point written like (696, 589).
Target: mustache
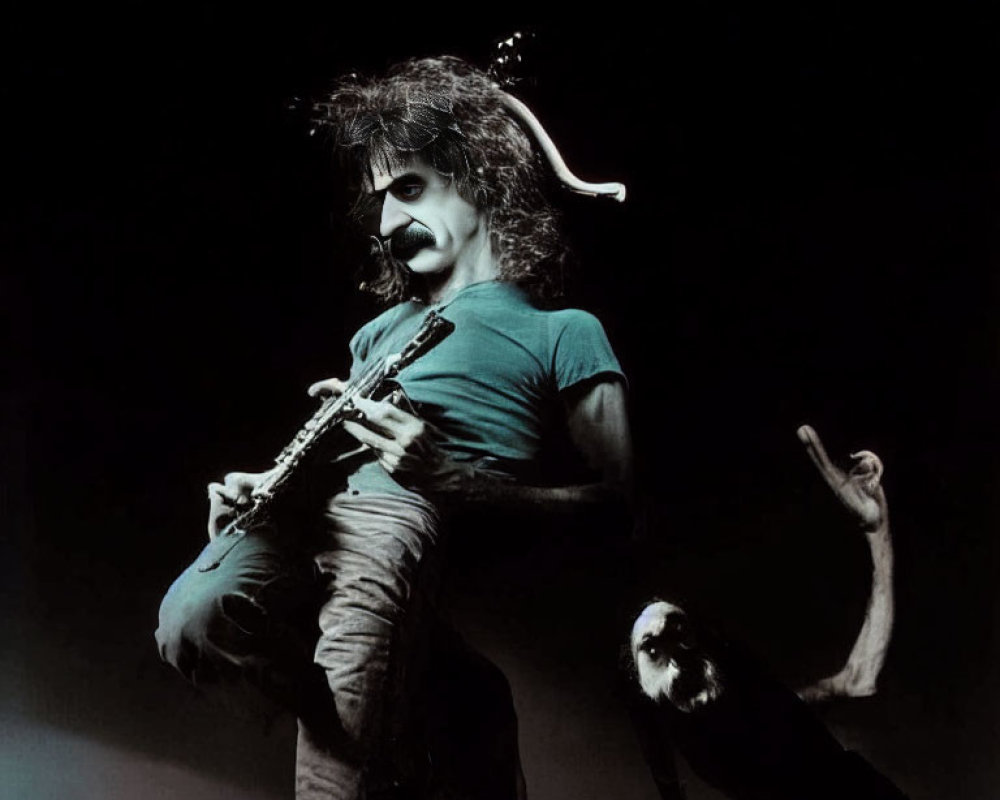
(405, 242)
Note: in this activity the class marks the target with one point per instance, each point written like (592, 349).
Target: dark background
(807, 238)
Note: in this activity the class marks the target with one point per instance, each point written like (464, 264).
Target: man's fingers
(220, 493)
(859, 491)
(390, 462)
(867, 464)
(374, 440)
(814, 447)
(220, 508)
(234, 490)
(381, 412)
(867, 471)
(229, 498)
(330, 386)
(241, 484)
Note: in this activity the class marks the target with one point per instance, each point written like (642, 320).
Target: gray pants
(244, 615)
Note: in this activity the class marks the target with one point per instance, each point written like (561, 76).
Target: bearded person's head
(672, 660)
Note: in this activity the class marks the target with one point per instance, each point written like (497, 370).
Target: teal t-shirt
(492, 386)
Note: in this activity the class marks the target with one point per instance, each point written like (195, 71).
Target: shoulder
(579, 347)
(568, 318)
(569, 325)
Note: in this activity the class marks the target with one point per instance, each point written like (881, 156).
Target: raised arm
(860, 492)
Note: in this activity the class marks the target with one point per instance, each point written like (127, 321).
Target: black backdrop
(807, 239)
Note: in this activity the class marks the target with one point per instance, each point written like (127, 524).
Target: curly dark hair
(451, 114)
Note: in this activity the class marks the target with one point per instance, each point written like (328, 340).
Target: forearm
(868, 654)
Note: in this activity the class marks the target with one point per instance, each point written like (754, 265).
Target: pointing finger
(814, 447)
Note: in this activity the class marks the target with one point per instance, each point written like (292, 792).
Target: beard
(686, 683)
(695, 685)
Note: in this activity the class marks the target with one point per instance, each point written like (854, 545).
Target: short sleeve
(580, 349)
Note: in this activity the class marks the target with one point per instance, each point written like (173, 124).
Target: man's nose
(394, 217)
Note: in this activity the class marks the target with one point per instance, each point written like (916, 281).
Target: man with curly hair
(452, 187)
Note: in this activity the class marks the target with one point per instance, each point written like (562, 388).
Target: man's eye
(408, 191)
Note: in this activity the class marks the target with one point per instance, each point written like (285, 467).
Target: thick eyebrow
(402, 180)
